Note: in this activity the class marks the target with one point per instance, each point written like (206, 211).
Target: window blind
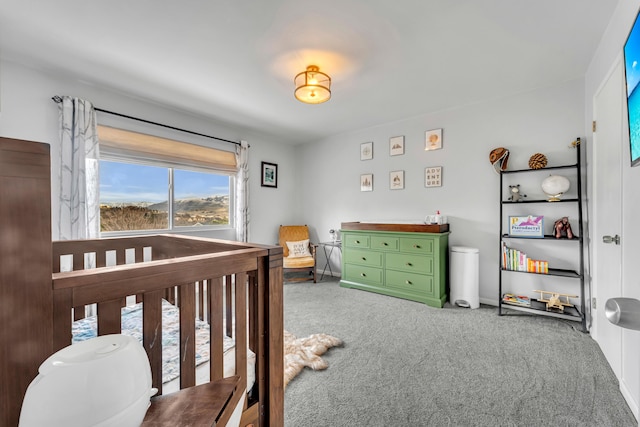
(148, 147)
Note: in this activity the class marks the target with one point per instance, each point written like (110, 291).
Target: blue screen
(632, 77)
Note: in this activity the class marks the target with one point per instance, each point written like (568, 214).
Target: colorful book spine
(513, 259)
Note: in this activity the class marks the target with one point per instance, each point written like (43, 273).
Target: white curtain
(242, 192)
(79, 173)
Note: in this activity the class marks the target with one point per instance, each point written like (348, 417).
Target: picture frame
(366, 151)
(396, 180)
(366, 182)
(530, 226)
(396, 145)
(433, 176)
(269, 176)
(433, 139)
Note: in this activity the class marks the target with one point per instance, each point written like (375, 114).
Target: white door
(608, 140)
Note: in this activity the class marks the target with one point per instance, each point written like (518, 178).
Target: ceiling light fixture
(312, 86)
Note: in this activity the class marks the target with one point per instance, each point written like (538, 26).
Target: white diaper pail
(464, 266)
(104, 381)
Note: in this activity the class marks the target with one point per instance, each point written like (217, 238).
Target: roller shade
(148, 147)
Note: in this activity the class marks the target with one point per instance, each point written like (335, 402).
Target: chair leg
(314, 275)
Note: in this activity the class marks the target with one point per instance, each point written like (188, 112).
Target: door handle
(611, 239)
(623, 312)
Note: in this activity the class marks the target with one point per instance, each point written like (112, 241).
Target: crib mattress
(132, 325)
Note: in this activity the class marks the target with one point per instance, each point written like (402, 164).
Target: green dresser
(400, 260)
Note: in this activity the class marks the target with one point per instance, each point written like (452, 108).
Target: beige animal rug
(301, 352)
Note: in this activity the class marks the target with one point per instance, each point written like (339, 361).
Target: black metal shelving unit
(537, 307)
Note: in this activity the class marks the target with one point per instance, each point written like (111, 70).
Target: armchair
(299, 254)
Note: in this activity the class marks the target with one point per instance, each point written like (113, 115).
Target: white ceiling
(234, 60)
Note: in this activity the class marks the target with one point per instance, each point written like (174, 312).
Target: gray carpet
(406, 364)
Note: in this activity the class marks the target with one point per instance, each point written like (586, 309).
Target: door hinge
(593, 126)
(593, 303)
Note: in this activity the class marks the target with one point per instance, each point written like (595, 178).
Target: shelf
(546, 237)
(573, 171)
(570, 313)
(508, 202)
(542, 169)
(558, 272)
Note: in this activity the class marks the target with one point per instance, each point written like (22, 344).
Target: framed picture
(366, 182)
(366, 151)
(269, 175)
(433, 139)
(526, 226)
(396, 180)
(433, 176)
(396, 145)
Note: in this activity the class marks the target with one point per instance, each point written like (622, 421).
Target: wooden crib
(236, 287)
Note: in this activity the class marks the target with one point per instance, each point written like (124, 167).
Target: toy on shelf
(562, 228)
(515, 196)
(555, 300)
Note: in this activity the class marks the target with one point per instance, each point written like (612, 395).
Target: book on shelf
(513, 299)
(516, 260)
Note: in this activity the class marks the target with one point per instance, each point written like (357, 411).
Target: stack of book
(516, 300)
(513, 259)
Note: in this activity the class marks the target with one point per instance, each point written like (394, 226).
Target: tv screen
(632, 77)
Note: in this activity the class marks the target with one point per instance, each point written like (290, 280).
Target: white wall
(544, 120)
(27, 112)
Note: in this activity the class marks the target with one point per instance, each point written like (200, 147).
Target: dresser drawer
(356, 241)
(387, 243)
(409, 282)
(364, 257)
(417, 245)
(411, 263)
(363, 274)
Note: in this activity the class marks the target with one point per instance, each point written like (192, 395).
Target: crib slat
(152, 334)
(187, 297)
(201, 300)
(241, 328)
(216, 328)
(61, 319)
(229, 304)
(109, 317)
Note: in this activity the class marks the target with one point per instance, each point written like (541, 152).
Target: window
(138, 196)
(153, 183)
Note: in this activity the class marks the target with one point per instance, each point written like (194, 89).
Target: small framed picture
(366, 151)
(433, 176)
(396, 145)
(526, 226)
(433, 139)
(269, 175)
(396, 180)
(366, 182)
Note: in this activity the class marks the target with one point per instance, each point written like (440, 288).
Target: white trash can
(464, 266)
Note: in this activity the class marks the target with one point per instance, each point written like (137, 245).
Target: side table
(328, 248)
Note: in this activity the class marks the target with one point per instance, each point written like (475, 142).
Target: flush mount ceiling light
(312, 86)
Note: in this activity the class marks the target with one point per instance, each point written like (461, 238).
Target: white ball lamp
(555, 186)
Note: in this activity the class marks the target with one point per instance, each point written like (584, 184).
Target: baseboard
(628, 397)
(489, 301)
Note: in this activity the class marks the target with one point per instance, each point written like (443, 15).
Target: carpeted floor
(406, 364)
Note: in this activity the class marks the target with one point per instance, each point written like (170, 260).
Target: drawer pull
(417, 246)
(357, 242)
(408, 282)
(409, 264)
(364, 259)
(385, 244)
(363, 275)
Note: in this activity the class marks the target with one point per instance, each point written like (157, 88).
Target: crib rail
(202, 274)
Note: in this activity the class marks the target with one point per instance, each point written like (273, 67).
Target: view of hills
(122, 216)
